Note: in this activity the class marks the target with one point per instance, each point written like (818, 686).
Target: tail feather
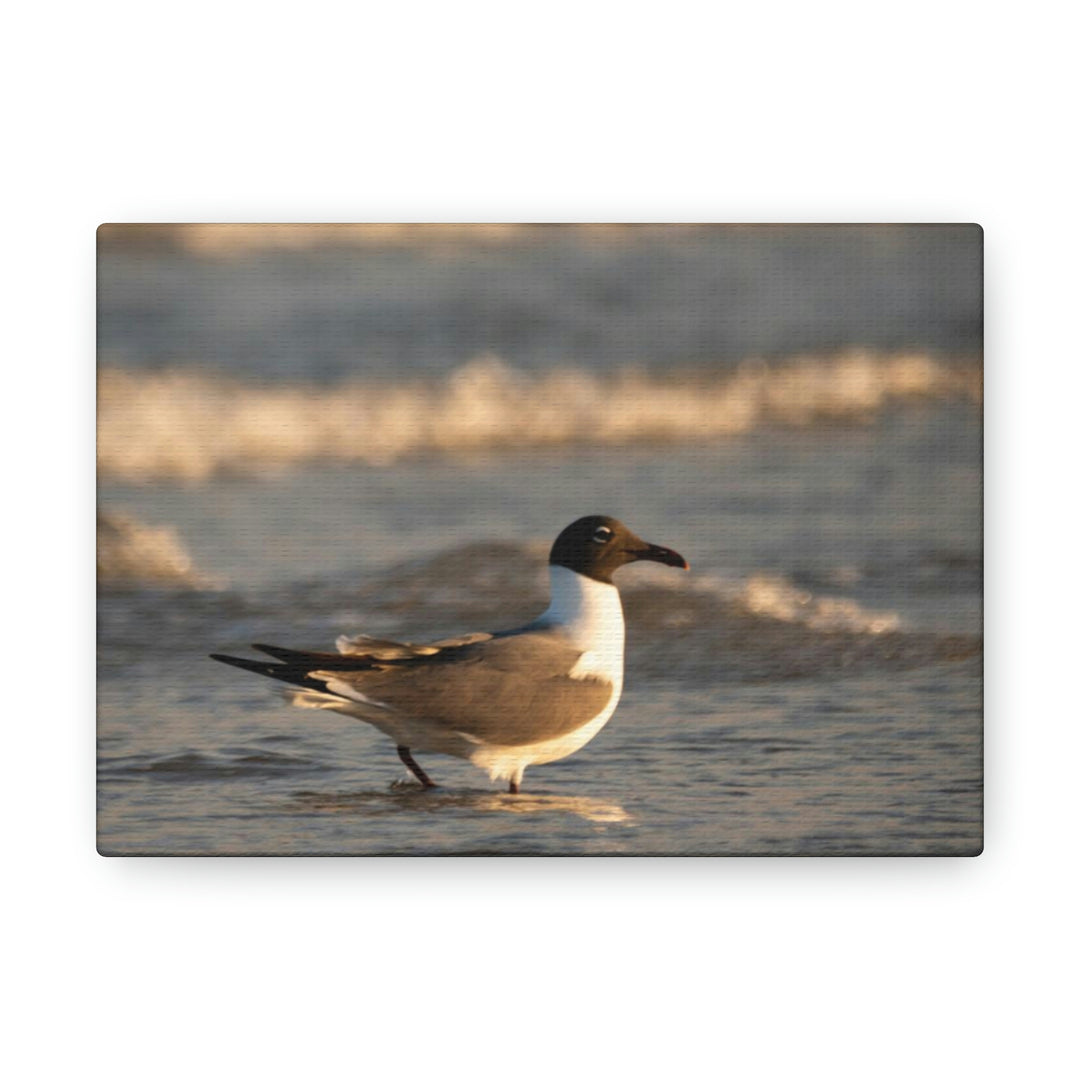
(298, 674)
(295, 666)
(357, 654)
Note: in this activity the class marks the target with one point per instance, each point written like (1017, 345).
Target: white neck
(588, 611)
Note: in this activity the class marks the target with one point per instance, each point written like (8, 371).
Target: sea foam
(189, 425)
(130, 554)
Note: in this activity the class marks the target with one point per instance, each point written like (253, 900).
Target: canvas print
(523, 540)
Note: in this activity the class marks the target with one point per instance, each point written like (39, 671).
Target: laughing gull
(503, 701)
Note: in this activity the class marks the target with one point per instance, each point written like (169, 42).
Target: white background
(488, 112)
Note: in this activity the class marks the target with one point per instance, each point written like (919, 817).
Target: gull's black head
(597, 546)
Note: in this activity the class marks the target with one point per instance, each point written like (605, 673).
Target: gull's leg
(410, 764)
(515, 780)
(514, 787)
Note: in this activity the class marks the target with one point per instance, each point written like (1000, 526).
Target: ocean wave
(700, 628)
(132, 554)
(189, 425)
(773, 596)
(767, 628)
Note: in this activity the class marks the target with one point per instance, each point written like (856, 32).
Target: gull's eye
(602, 535)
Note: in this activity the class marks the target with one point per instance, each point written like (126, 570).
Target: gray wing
(383, 649)
(508, 691)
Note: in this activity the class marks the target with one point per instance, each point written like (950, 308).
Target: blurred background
(311, 430)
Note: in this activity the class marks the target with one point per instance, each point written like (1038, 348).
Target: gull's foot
(410, 764)
(408, 783)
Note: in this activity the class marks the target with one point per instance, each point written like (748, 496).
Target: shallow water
(849, 766)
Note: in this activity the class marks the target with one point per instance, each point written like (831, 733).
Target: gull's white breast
(590, 614)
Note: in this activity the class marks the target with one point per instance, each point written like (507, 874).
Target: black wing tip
(241, 662)
(251, 664)
(295, 674)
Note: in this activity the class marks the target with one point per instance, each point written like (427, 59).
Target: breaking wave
(189, 425)
(132, 554)
(766, 627)
(773, 596)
